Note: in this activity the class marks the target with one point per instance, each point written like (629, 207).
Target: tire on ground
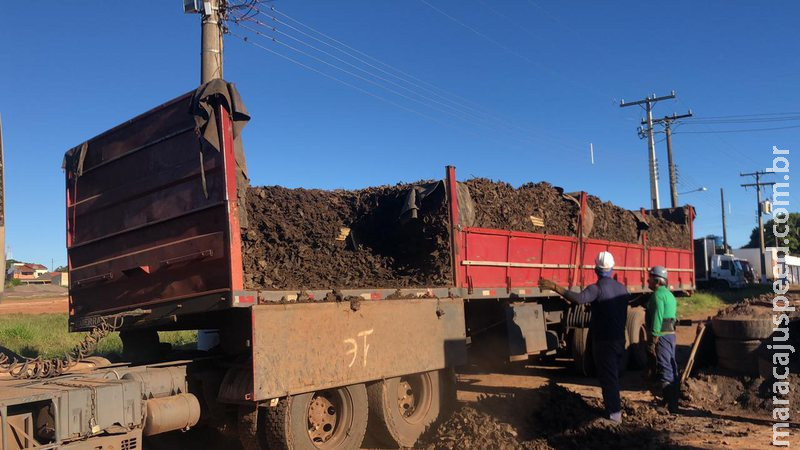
(581, 351)
(402, 408)
(251, 422)
(741, 328)
(738, 355)
(636, 337)
(290, 425)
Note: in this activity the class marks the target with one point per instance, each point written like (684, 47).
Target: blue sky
(536, 81)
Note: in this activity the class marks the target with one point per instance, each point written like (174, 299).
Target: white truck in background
(771, 254)
(713, 268)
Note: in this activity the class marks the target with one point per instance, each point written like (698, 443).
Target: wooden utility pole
(211, 41)
(651, 145)
(667, 121)
(724, 226)
(760, 213)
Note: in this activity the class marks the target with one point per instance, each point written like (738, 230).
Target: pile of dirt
(398, 236)
(550, 417)
(720, 392)
(499, 205)
(760, 307)
(310, 238)
(613, 223)
(669, 228)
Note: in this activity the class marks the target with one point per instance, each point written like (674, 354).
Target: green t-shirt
(662, 305)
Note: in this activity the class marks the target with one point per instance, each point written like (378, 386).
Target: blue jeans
(666, 367)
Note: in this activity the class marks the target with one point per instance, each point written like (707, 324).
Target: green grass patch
(708, 302)
(47, 335)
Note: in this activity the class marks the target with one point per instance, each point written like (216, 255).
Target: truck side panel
(310, 346)
(148, 215)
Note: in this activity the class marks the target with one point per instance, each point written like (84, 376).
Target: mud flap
(526, 330)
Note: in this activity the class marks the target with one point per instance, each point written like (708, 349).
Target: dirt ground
(34, 299)
(547, 406)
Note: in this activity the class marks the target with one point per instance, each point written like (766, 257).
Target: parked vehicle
(774, 259)
(716, 270)
(154, 211)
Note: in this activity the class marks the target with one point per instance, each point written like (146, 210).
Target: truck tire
(742, 328)
(737, 355)
(581, 352)
(250, 427)
(402, 408)
(333, 419)
(636, 335)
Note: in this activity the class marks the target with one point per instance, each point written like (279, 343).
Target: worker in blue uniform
(660, 322)
(609, 303)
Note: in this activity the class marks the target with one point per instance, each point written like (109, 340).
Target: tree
(62, 269)
(9, 263)
(793, 225)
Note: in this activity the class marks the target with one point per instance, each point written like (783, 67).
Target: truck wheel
(742, 328)
(581, 352)
(737, 355)
(333, 419)
(637, 338)
(402, 408)
(250, 426)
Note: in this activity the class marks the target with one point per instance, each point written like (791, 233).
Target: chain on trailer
(40, 368)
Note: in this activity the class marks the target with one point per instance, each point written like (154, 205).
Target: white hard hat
(604, 261)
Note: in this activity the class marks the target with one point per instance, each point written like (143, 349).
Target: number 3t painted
(353, 347)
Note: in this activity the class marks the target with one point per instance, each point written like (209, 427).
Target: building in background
(59, 279)
(26, 271)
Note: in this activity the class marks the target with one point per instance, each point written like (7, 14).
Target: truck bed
(154, 222)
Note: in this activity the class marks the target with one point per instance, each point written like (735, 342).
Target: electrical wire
(384, 79)
(247, 40)
(479, 115)
(355, 75)
(349, 50)
(738, 131)
(555, 74)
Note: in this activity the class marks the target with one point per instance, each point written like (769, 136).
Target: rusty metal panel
(309, 346)
(527, 330)
(148, 220)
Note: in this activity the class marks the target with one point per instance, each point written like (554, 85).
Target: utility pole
(213, 13)
(673, 180)
(211, 40)
(651, 144)
(724, 226)
(758, 185)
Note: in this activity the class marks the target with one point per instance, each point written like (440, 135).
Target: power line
(508, 49)
(375, 60)
(338, 80)
(738, 131)
(458, 113)
(372, 82)
(753, 115)
(481, 114)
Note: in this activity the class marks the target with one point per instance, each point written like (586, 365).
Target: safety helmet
(604, 261)
(659, 272)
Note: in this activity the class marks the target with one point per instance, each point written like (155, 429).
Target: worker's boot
(671, 396)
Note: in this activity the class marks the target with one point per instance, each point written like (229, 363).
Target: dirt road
(46, 305)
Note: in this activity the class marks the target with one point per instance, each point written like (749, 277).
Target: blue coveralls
(609, 300)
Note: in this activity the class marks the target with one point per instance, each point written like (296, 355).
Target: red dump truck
(155, 213)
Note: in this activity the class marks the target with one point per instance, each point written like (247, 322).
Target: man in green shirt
(660, 321)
